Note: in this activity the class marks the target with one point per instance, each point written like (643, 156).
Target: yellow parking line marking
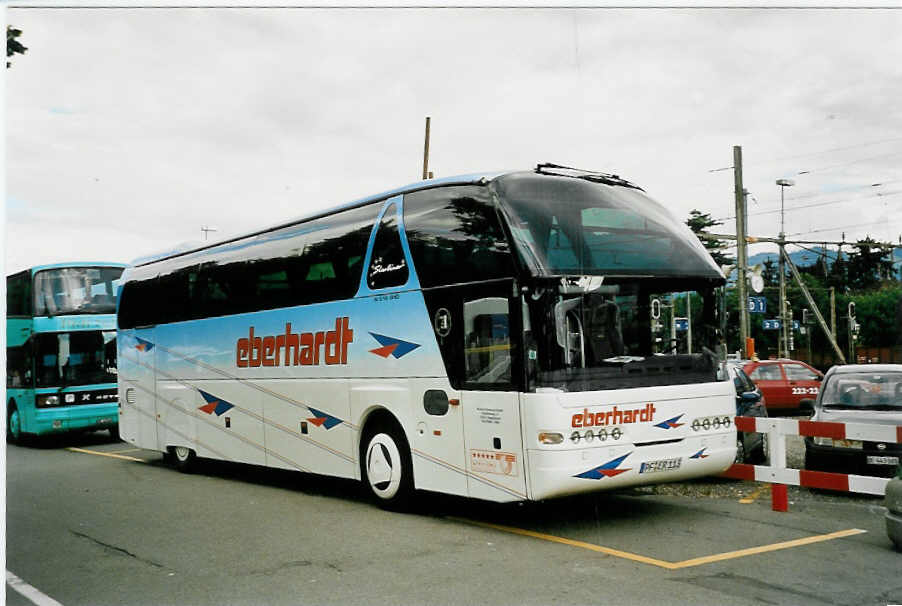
(106, 454)
(549, 537)
(663, 563)
(751, 498)
(127, 450)
(765, 548)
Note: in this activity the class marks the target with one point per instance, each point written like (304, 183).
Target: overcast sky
(128, 130)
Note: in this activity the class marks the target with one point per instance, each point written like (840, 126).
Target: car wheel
(812, 461)
(13, 425)
(114, 433)
(759, 455)
(740, 450)
(386, 467)
(183, 458)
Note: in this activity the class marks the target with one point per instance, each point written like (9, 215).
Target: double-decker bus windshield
(76, 290)
(75, 358)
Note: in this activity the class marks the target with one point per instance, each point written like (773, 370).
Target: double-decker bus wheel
(386, 466)
(13, 424)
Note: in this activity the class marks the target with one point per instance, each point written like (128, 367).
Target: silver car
(854, 393)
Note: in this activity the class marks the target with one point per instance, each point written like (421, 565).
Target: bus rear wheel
(387, 469)
(13, 425)
(183, 458)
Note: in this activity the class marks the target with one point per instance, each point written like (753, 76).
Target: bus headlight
(45, 401)
(550, 438)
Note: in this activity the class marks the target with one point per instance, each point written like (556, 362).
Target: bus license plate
(883, 460)
(660, 465)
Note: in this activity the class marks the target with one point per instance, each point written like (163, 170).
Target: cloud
(139, 127)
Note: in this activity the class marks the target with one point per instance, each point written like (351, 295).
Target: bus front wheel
(13, 424)
(183, 458)
(387, 467)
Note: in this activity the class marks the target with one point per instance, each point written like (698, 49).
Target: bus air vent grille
(130, 396)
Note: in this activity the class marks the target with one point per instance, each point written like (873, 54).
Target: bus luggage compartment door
(137, 390)
(494, 449)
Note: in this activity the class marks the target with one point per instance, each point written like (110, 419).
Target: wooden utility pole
(833, 311)
(426, 174)
(741, 243)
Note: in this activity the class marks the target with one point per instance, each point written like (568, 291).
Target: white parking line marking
(33, 595)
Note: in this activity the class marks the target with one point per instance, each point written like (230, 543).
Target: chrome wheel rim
(182, 453)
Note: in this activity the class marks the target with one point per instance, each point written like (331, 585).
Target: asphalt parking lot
(92, 521)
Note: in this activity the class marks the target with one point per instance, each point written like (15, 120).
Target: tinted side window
(18, 294)
(332, 262)
(137, 306)
(455, 236)
(18, 366)
(320, 260)
(797, 372)
(388, 266)
(768, 372)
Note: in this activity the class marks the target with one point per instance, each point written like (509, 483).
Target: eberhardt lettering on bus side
(300, 349)
(615, 416)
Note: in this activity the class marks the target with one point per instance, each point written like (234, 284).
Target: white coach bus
(491, 335)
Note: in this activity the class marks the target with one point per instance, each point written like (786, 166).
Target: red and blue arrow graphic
(323, 420)
(670, 423)
(700, 454)
(392, 346)
(143, 345)
(608, 470)
(214, 404)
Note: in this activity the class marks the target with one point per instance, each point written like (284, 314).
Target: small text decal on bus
(614, 416)
(296, 349)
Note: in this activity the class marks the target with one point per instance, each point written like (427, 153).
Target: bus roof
(411, 187)
(467, 179)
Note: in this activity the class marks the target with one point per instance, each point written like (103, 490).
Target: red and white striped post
(779, 475)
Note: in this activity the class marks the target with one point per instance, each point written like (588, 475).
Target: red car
(785, 383)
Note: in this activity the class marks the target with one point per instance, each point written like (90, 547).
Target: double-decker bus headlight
(546, 437)
(45, 401)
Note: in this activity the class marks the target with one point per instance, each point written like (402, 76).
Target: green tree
(13, 46)
(699, 223)
(876, 314)
(868, 265)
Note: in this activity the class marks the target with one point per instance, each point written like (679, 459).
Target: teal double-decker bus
(61, 349)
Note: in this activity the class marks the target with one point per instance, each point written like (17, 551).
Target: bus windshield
(589, 333)
(76, 290)
(572, 226)
(64, 359)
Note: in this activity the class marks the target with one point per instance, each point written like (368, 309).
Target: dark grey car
(751, 447)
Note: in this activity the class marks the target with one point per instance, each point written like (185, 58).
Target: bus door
(137, 391)
(491, 406)
(437, 438)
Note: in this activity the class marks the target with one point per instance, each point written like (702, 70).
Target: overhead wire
(808, 154)
(802, 207)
